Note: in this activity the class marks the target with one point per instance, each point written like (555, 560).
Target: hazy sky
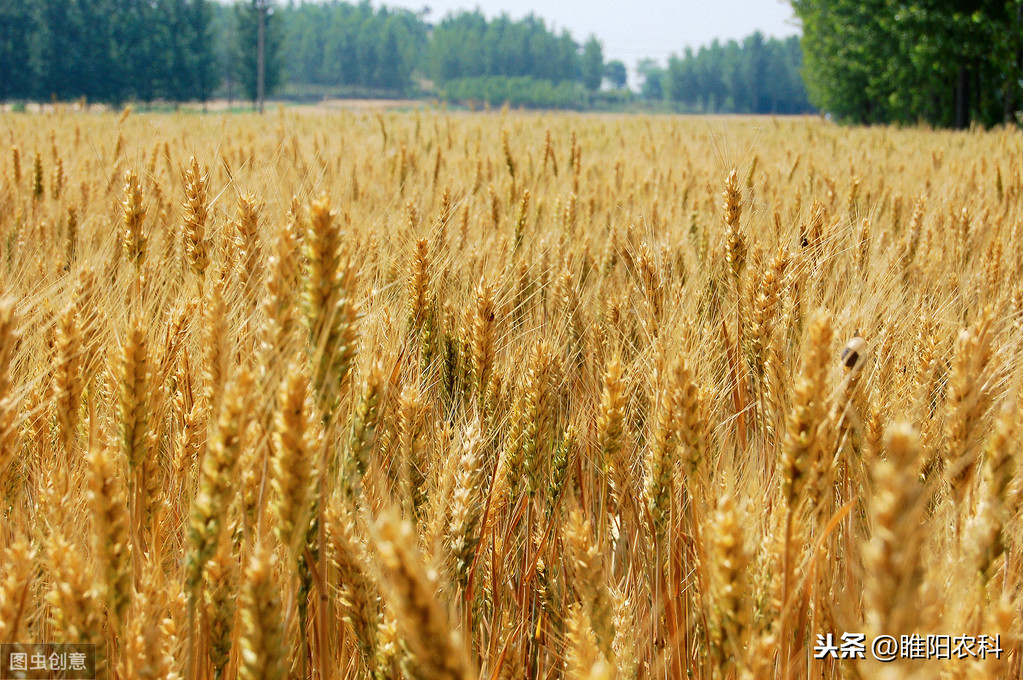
(633, 30)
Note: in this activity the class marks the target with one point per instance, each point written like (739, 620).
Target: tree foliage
(245, 58)
(180, 50)
(468, 45)
(106, 50)
(946, 63)
(592, 64)
(757, 75)
(616, 74)
(342, 45)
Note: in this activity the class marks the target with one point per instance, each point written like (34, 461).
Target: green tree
(15, 35)
(466, 45)
(652, 75)
(521, 62)
(106, 50)
(306, 30)
(200, 53)
(58, 40)
(756, 75)
(246, 54)
(842, 55)
(944, 62)
(592, 64)
(390, 74)
(342, 45)
(340, 55)
(171, 36)
(616, 74)
(133, 48)
(753, 72)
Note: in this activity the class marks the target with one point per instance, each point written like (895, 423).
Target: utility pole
(263, 7)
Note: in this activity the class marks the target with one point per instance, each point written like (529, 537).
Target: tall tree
(15, 35)
(58, 56)
(592, 64)
(132, 47)
(947, 62)
(616, 74)
(246, 52)
(467, 45)
(652, 75)
(754, 76)
(843, 52)
(200, 52)
(169, 37)
(755, 55)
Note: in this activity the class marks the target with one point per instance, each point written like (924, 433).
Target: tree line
(106, 50)
(188, 50)
(463, 56)
(337, 44)
(756, 75)
(944, 62)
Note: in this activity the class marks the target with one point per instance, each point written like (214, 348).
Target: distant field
(369, 393)
(216, 105)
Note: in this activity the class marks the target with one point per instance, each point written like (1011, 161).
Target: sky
(631, 31)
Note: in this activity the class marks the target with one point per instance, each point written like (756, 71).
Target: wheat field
(433, 394)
